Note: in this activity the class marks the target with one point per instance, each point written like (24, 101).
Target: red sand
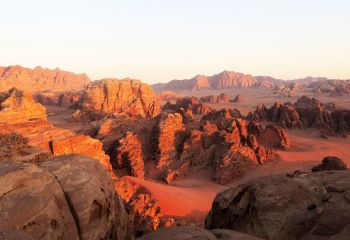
(194, 195)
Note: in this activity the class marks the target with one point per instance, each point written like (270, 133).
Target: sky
(161, 40)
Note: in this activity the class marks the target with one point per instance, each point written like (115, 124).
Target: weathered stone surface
(188, 103)
(14, 235)
(109, 96)
(305, 112)
(168, 132)
(68, 99)
(143, 209)
(225, 234)
(129, 155)
(89, 189)
(307, 206)
(33, 201)
(330, 163)
(221, 98)
(191, 232)
(16, 148)
(18, 106)
(81, 144)
(237, 99)
(180, 233)
(39, 79)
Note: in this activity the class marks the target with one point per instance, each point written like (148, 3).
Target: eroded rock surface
(17, 106)
(110, 96)
(330, 163)
(306, 206)
(66, 197)
(39, 79)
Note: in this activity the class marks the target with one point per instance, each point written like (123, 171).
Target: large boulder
(66, 197)
(109, 96)
(307, 206)
(330, 163)
(32, 200)
(18, 106)
(191, 232)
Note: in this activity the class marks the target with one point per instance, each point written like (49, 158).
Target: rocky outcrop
(110, 96)
(39, 79)
(333, 87)
(306, 113)
(17, 106)
(143, 209)
(168, 132)
(188, 103)
(67, 197)
(129, 155)
(221, 98)
(191, 232)
(68, 99)
(307, 206)
(330, 163)
(237, 99)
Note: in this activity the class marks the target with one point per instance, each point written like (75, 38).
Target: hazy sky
(161, 40)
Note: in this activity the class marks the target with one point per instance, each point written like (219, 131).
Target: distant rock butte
(221, 98)
(39, 79)
(110, 96)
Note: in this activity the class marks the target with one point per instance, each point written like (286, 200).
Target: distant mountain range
(40, 79)
(230, 79)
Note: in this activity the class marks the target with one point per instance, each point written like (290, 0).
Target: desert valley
(228, 156)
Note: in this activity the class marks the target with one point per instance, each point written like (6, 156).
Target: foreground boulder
(189, 232)
(109, 96)
(66, 197)
(17, 106)
(307, 206)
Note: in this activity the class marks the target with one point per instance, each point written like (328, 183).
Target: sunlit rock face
(110, 96)
(65, 197)
(40, 79)
(17, 106)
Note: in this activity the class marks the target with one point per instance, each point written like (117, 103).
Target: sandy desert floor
(191, 198)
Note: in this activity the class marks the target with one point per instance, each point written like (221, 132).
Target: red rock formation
(110, 96)
(307, 206)
(67, 197)
(129, 155)
(306, 112)
(68, 99)
(330, 163)
(237, 99)
(39, 79)
(187, 103)
(223, 80)
(221, 98)
(168, 132)
(18, 106)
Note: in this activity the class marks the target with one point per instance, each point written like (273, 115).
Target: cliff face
(223, 80)
(115, 96)
(39, 79)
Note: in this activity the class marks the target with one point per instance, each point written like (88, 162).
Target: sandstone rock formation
(307, 206)
(110, 96)
(223, 80)
(305, 112)
(333, 87)
(129, 155)
(237, 99)
(188, 103)
(190, 232)
(39, 79)
(221, 98)
(18, 106)
(168, 132)
(330, 163)
(14, 235)
(67, 197)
